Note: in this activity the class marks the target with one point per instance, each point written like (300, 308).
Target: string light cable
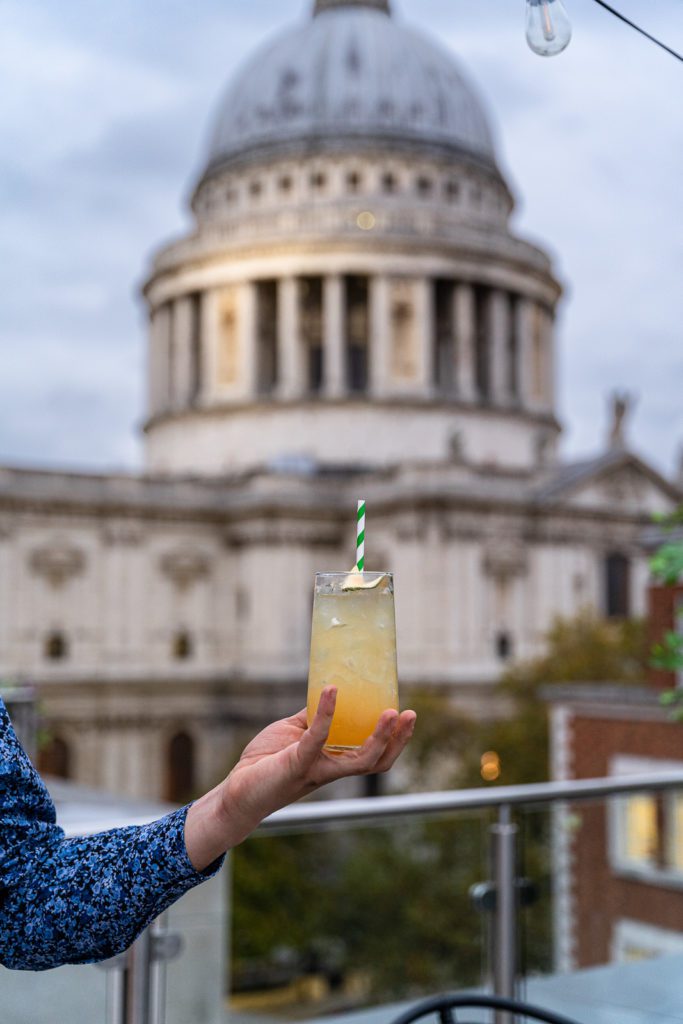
(632, 24)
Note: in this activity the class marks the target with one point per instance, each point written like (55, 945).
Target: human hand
(284, 762)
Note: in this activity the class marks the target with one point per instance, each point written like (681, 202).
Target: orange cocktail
(353, 647)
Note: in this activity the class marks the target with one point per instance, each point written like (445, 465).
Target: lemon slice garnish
(356, 581)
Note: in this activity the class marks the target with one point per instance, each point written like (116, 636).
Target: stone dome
(350, 74)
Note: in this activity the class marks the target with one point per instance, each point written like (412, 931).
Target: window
(311, 328)
(353, 181)
(389, 182)
(452, 190)
(54, 758)
(183, 648)
(195, 346)
(255, 189)
(503, 645)
(266, 334)
(318, 180)
(617, 586)
(180, 776)
(481, 339)
(285, 183)
(425, 187)
(242, 604)
(56, 647)
(357, 333)
(444, 337)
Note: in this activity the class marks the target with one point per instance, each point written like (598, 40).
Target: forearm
(87, 899)
(215, 823)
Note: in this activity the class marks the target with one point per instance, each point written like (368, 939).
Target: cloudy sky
(104, 113)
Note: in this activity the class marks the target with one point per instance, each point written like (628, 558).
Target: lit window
(637, 831)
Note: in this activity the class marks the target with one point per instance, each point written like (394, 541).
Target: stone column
(160, 361)
(424, 331)
(334, 347)
(291, 369)
(248, 340)
(463, 320)
(380, 335)
(499, 326)
(182, 351)
(524, 315)
(548, 329)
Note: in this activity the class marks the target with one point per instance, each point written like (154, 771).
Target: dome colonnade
(351, 244)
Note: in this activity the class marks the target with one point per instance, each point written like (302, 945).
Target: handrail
(312, 813)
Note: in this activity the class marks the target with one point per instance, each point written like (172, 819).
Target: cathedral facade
(350, 316)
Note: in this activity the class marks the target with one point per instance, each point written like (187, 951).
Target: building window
(183, 648)
(180, 785)
(425, 187)
(637, 833)
(255, 189)
(311, 327)
(503, 645)
(354, 181)
(195, 346)
(389, 183)
(481, 341)
(617, 586)
(318, 180)
(285, 183)
(56, 647)
(444, 338)
(242, 604)
(452, 191)
(357, 333)
(266, 336)
(230, 196)
(54, 758)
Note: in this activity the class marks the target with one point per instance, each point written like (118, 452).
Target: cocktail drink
(353, 647)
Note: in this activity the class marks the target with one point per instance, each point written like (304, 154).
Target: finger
(398, 742)
(315, 737)
(375, 745)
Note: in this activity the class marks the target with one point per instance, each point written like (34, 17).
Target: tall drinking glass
(353, 647)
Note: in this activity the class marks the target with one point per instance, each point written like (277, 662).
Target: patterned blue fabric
(74, 901)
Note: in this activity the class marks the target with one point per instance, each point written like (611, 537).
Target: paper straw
(360, 536)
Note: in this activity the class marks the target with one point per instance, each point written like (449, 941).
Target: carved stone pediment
(185, 566)
(57, 562)
(504, 558)
(627, 485)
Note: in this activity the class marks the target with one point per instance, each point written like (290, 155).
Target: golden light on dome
(490, 766)
(366, 220)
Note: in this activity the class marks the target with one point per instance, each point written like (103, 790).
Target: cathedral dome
(349, 74)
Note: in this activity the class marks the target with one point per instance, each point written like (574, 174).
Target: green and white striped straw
(360, 536)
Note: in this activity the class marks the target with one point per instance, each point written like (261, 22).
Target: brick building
(618, 875)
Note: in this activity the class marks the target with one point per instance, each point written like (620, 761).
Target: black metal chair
(446, 1007)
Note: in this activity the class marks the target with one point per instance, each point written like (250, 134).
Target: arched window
(54, 758)
(183, 647)
(180, 774)
(56, 647)
(617, 586)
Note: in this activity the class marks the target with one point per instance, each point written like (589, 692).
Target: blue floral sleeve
(69, 901)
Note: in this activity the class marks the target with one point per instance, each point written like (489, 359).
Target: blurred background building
(350, 316)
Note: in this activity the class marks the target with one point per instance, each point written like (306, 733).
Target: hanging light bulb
(548, 30)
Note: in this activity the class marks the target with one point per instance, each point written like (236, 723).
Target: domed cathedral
(350, 316)
(352, 294)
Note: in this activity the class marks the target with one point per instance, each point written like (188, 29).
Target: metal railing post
(504, 851)
(139, 980)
